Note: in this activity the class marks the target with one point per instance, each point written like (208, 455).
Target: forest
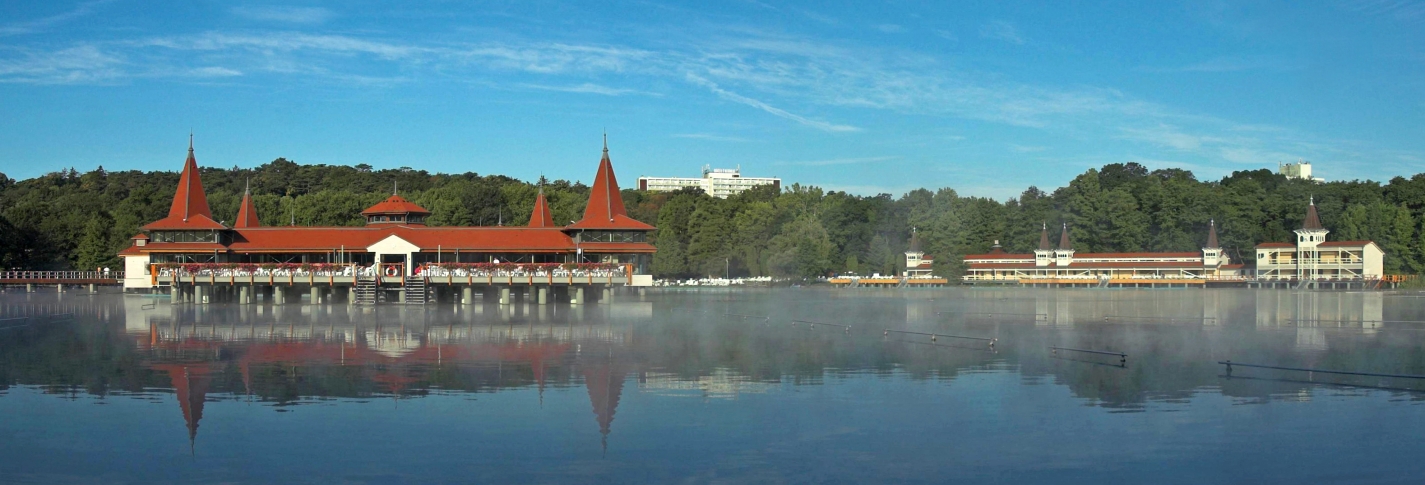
(68, 219)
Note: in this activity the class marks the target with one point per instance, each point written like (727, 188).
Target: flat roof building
(717, 182)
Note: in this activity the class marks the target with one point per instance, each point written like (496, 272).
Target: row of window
(188, 236)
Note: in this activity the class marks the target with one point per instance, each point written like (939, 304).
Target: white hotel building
(717, 182)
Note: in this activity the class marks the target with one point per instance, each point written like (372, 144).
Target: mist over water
(760, 386)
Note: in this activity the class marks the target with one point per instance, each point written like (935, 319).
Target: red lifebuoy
(393, 271)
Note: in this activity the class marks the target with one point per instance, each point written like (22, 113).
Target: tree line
(68, 219)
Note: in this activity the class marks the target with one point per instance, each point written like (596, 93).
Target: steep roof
(190, 204)
(394, 204)
(1064, 242)
(1044, 239)
(1312, 221)
(915, 241)
(541, 217)
(605, 209)
(247, 212)
(1212, 235)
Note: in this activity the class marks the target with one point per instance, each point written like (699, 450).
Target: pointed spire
(605, 209)
(247, 212)
(1312, 221)
(1044, 238)
(541, 216)
(914, 240)
(1212, 234)
(1064, 242)
(393, 187)
(190, 200)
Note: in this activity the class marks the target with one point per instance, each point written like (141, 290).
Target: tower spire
(1064, 242)
(1044, 237)
(1212, 234)
(247, 212)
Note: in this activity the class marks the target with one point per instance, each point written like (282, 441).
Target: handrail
(812, 325)
(1122, 357)
(1229, 365)
(61, 275)
(934, 336)
(744, 317)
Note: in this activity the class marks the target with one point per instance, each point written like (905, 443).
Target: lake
(720, 386)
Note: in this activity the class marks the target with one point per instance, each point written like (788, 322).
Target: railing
(520, 270)
(244, 270)
(61, 275)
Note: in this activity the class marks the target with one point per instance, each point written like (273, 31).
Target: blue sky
(867, 97)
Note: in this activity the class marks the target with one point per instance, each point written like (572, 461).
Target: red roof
(519, 239)
(541, 217)
(604, 247)
(247, 213)
(1081, 265)
(1348, 244)
(394, 204)
(605, 209)
(1276, 245)
(999, 256)
(190, 204)
(140, 236)
(186, 247)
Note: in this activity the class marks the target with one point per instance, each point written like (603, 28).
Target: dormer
(395, 210)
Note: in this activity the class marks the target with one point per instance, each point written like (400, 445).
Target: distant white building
(717, 182)
(1297, 170)
(1313, 258)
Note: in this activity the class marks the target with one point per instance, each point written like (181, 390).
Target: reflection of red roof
(605, 209)
(605, 385)
(394, 204)
(190, 386)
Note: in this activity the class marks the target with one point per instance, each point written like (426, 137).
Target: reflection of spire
(604, 382)
(190, 386)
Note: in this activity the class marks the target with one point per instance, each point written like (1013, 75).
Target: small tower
(247, 212)
(1212, 252)
(916, 264)
(1044, 256)
(1065, 254)
(1311, 235)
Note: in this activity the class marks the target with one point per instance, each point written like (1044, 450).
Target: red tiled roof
(604, 247)
(520, 239)
(605, 209)
(190, 204)
(1338, 244)
(541, 217)
(1079, 265)
(394, 204)
(998, 256)
(247, 213)
(140, 236)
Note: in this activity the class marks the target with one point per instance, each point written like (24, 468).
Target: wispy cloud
(1001, 30)
(835, 161)
(293, 15)
(75, 65)
(708, 137)
(775, 111)
(41, 24)
(588, 88)
(1227, 64)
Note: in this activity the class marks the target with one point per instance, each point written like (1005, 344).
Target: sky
(866, 97)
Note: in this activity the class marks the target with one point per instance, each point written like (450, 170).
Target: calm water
(670, 388)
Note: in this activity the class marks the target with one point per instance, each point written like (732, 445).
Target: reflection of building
(717, 182)
(1061, 265)
(1313, 258)
(395, 235)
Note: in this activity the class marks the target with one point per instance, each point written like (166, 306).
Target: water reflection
(681, 345)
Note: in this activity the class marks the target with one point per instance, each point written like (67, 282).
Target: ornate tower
(1311, 235)
(1045, 254)
(1065, 254)
(1212, 252)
